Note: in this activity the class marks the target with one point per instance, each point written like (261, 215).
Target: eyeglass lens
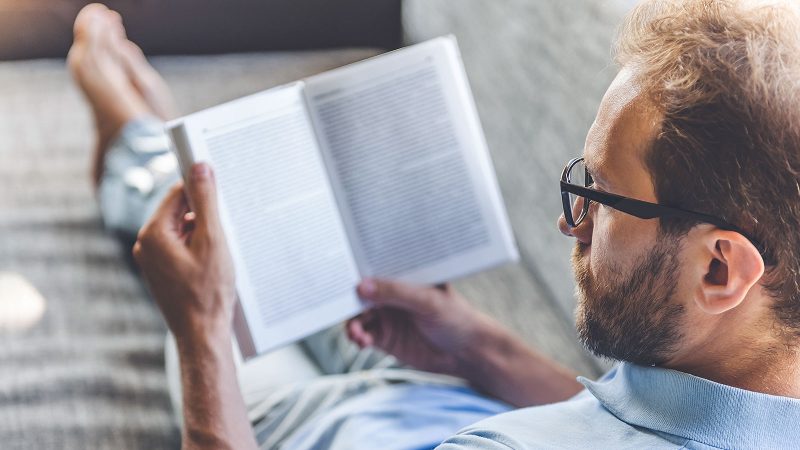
(578, 176)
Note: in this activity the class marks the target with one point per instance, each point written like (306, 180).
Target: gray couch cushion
(43, 28)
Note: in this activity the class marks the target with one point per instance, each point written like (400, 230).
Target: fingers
(400, 295)
(202, 192)
(166, 224)
(357, 333)
(169, 215)
(370, 328)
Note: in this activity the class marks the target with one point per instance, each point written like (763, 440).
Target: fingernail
(201, 171)
(367, 287)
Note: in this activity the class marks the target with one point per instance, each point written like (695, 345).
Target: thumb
(202, 190)
(415, 299)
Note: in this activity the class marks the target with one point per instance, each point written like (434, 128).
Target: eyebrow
(593, 170)
(596, 173)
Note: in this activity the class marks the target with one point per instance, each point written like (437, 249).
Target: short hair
(725, 75)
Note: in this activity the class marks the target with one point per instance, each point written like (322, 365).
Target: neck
(754, 359)
(770, 375)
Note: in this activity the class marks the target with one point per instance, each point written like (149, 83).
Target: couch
(89, 373)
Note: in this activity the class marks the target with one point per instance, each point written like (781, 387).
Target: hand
(428, 328)
(185, 260)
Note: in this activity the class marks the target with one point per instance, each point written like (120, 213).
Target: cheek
(618, 241)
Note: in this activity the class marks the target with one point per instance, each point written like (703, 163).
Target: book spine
(181, 147)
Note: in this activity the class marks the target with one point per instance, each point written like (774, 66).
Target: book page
(295, 272)
(410, 166)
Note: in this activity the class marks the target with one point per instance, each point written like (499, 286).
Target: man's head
(705, 116)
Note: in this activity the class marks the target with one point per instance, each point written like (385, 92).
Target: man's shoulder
(644, 407)
(576, 423)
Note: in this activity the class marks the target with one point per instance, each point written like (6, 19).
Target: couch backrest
(538, 70)
(43, 28)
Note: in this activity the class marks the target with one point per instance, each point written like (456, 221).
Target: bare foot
(96, 65)
(147, 81)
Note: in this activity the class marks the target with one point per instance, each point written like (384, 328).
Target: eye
(591, 184)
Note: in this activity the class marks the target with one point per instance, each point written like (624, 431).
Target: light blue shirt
(630, 407)
(394, 417)
(644, 407)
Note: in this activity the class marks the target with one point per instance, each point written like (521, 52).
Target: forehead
(626, 123)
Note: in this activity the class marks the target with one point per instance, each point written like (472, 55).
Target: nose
(583, 232)
(563, 227)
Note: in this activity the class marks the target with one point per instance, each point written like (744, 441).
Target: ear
(733, 267)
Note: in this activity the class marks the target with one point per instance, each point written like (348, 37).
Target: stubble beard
(631, 317)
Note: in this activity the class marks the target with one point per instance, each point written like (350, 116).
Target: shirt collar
(684, 405)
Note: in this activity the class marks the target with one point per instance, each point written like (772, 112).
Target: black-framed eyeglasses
(576, 196)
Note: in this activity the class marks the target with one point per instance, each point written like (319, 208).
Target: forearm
(503, 366)
(213, 408)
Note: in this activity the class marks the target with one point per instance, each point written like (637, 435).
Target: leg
(335, 354)
(133, 167)
(96, 64)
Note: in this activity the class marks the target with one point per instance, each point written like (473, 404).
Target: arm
(213, 410)
(503, 366)
(186, 264)
(439, 331)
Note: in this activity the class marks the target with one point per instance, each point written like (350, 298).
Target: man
(685, 212)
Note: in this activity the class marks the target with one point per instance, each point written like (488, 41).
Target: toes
(98, 24)
(116, 17)
(87, 17)
(115, 20)
(98, 32)
(105, 63)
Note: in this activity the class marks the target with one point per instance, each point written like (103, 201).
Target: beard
(631, 316)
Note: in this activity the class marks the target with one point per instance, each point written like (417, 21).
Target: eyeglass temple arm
(643, 209)
(647, 210)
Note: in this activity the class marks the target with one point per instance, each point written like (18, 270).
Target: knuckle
(380, 289)
(430, 296)
(385, 290)
(137, 251)
(145, 241)
(437, 297)
(148, 239)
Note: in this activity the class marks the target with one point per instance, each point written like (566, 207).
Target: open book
(379, 169)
